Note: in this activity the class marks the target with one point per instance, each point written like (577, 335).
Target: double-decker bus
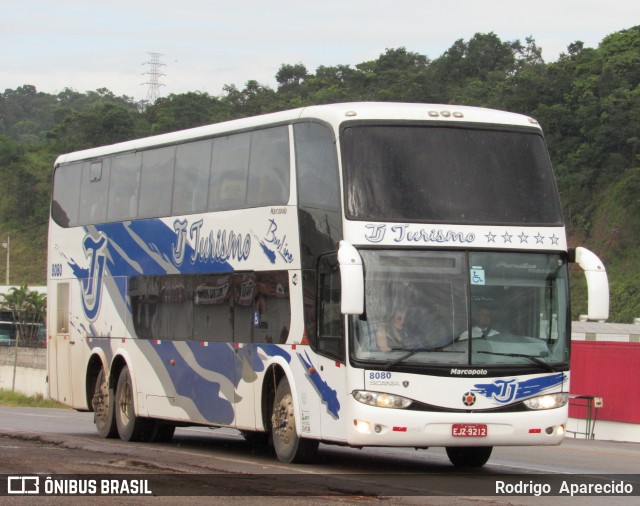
(324, 274)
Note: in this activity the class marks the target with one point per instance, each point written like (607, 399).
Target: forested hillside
(588, 102)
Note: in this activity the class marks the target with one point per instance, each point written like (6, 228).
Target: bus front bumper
(372, 426)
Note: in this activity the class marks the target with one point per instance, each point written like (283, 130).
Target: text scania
(212, 247)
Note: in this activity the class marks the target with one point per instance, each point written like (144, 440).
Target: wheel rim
(100, 401)
(283, 420)
(125, 402)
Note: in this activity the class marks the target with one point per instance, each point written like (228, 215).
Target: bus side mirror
(597, 283)
(351, 279)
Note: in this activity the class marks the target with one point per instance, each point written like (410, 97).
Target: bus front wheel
(289, 446)
(130, 426)
(469, 456)
(103, 412)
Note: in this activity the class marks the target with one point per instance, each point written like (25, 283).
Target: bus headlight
(547, 401)
(381, 400)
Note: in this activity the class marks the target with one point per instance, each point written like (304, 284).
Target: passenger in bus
(393, 335)
(482, 324)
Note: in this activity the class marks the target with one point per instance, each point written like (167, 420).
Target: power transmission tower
(154, 77)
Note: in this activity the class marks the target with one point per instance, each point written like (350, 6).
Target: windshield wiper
(534, 358)
(410, 353)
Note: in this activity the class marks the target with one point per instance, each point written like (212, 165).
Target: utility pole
(154, 77)
(7, 245)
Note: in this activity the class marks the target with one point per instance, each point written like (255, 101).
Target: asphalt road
(201, 463)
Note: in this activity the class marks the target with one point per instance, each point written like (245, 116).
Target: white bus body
(241, 275)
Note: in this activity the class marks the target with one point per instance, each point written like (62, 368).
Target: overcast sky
(205, 44)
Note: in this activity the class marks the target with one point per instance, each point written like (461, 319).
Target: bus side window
(271, 308)
(66, 193)
(231, 193)
(269, 167)
(229, 169)
(191, 178)
(316, 166)
(330, 320)
(124, 187)
(212, 313)
(94, 192)
(156, 182)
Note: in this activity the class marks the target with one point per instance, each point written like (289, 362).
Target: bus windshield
(442, 174)
(437, 308)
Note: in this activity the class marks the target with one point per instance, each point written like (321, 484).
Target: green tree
(253, 100)
(101, 124)
(28, 309)
(332, 84)
(26, 114)
(177, 112)
(397, 75)
(474, 71)
(290, 79)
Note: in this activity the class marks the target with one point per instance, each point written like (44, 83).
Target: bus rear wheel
(103, 412)
(130, 426)
(469, 456)
(289, 446)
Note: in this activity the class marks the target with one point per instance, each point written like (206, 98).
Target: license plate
(469, 430)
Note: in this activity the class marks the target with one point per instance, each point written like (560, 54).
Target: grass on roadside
(9, 398)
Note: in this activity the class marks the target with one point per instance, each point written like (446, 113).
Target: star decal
(506, 237)
(539, 238)
(554, 239)
(490, 237)
(523, 238)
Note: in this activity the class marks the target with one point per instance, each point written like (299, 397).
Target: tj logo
(91, 279)
(502, 391)
(375, 233)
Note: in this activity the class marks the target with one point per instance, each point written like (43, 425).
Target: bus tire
(288, 445)
(103, 412)
(130, 426)
(469, 456)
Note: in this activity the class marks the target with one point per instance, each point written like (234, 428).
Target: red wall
(609, 370)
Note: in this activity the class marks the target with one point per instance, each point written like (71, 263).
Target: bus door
(245, 287)
(262, 319)
(330, 380)
(59, 350)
